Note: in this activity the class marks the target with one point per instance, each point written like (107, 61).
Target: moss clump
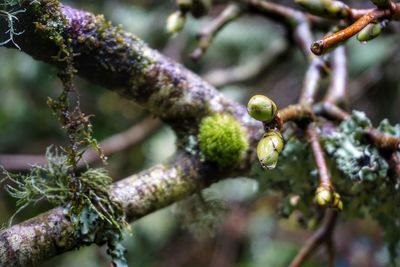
(222, 139)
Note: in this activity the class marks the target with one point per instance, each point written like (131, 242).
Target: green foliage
(201, 214)
(222, 139)
(354, 157)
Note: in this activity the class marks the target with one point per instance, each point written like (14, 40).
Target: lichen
(222, 139)
(356, 159)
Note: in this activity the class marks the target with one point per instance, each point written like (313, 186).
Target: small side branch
(230, 13)
(311, 81)
(330, 41)
(337, 91)
(322, 235)
(324, 175)
(383, 141)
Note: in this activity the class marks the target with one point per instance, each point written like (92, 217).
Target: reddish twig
(324, 175)
(322, 235)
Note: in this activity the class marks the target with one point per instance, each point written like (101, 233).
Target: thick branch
(51, 233)
(119, 61)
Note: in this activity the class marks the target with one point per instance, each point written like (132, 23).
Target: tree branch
(51, 233)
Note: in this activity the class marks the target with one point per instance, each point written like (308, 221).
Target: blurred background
(247, 231)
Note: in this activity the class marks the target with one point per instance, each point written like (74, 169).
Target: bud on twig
(175, 22)
(371, 31)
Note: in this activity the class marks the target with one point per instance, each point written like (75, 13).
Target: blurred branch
(337, 91)
(250, 70)
(311, 81)
(322, 235)
(230, 13)
(110, 145)
(383, 141)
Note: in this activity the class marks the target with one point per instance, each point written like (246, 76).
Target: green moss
(222, 139)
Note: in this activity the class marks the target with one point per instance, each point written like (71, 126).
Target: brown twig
(296, 113)
(383, 141)
(230, 13)
(295, 20)
(322, 235)
(337, 91)
(328, 42)
(395, 164)
(324, 175)
(331, 111)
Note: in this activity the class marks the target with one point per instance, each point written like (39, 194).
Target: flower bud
(175, 22)
(268, 149)
(323, 196)
(370, 32)
(262, 108)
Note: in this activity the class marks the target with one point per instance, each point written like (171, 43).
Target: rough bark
(119, 61)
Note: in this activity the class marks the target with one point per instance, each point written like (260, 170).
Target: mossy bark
(51, 233)
(119, 61)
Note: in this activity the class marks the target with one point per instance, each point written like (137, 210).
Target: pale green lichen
(222, 139)
(355, 158)
(97, 219)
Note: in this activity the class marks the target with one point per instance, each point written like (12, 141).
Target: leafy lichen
(355, 158)
(371, 193)
(222, 140)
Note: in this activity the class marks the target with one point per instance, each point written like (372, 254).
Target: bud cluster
(270, 146)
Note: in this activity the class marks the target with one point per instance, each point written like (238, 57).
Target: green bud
(175, 22)
(268, 149)
(323, 196)
(337, 202)
(370, 32)
(262, 108)
(330, 8)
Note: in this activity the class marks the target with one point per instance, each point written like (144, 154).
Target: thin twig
(311, 81)
(321, 235)
(230, 13)
(324, 175)
(328, 42)
(383, 141)
(296, 113)
(250, 70)
(331, 111)
(337, 91)
(295, 21)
